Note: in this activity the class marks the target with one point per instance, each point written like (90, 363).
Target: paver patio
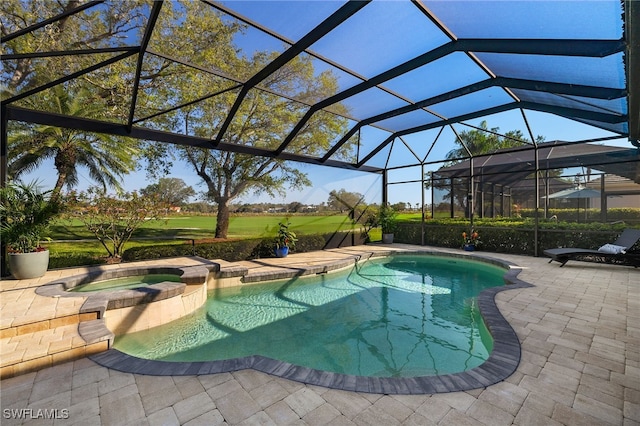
(579, 327)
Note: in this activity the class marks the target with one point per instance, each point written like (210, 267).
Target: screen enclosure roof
(396, 70)
(508, 167)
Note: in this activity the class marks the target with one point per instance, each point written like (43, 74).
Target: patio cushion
(612, 248)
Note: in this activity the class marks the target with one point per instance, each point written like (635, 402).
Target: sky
(401, 37)
(326, 179)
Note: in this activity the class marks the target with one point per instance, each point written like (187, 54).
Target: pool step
(47, 324)
(32, 347)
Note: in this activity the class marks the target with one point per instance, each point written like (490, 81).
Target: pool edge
(502, 362)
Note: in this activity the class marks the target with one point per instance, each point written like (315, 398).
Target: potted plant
(470, 241)
(286, 239)
(25, 214)
(388, 223)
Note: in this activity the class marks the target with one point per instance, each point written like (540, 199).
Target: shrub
(387, 219)
(114, 219)
(73, 259)
(234, 251)
(511, 236)
(26, 213)
(629, 215)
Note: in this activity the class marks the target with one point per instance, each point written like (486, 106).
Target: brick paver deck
(579, 328)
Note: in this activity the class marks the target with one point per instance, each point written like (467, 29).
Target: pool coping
(502, 362)
(101, 301)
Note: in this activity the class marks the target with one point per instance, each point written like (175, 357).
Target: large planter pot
(28, 265)
(387, 238)
(282, 251)
(469, 247)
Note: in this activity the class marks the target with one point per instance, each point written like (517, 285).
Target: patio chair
(618, 253)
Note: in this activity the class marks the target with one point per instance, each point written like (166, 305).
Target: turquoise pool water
(401, 316)
(126, 282)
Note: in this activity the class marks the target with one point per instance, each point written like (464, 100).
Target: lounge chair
(617, 253)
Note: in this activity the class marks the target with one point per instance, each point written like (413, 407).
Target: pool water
(125, 283)
(401, 316)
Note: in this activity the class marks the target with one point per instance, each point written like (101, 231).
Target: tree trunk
(222, 222)
(57, 189)
(65, 163)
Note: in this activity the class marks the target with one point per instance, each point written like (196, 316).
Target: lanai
(408, 76)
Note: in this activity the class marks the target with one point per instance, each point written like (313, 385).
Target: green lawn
(204, 227)
(73, 245)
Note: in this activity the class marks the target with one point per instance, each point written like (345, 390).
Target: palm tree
(107, 158)
(484, 140)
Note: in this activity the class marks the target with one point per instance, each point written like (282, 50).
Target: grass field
(72, 244)
(204, 227)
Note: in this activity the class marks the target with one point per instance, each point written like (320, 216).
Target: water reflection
(396, 317)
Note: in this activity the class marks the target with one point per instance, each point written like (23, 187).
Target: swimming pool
(401, 316)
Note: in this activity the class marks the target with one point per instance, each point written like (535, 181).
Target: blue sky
(326, 179)
(398, 38)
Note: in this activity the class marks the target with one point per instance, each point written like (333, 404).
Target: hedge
(629, 215)
(511, 237)
(246, 249)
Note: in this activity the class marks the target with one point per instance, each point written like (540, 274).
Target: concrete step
(46, 324)
(43, 346)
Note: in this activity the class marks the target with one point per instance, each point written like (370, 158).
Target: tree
(102, 94)
(171, 191)
(295, 207)
(262, 118)
(200, 207)
(485, 140)
(400, 206)
(176, 97)
(96, 28)
(114, 219)
(107, 158)
(343, 200)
